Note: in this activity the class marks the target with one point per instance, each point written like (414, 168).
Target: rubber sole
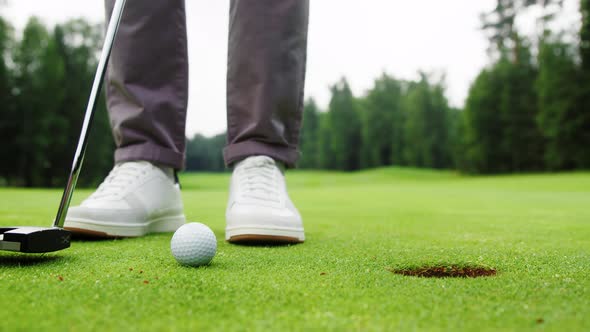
(93, 228)
(264, 235)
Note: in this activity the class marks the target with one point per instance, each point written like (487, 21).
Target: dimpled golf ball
(193, 244)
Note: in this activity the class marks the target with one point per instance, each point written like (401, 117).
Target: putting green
(534, 230)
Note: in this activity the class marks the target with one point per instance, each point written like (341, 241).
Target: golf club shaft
(92, 102)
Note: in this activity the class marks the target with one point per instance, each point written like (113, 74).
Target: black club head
(34, 239)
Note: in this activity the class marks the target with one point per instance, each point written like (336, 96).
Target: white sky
(358, 39)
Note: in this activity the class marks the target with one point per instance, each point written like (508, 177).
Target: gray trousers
(147, 80)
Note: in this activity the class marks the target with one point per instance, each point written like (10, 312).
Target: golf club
(40, 239)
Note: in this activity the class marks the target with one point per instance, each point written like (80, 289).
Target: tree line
(405, 123)
(529, 110)
(525, 111)
(45, 77)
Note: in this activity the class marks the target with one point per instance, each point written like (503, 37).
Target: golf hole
(452, 271)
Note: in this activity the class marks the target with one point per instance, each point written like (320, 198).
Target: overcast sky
(358, 39)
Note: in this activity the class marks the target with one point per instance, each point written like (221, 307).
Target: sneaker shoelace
(257, 179)
(120, 177)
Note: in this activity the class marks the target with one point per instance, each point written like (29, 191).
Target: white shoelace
(120, 177)
(257, 178)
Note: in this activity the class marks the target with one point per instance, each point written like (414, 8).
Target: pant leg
(147, 82)
(265, 78)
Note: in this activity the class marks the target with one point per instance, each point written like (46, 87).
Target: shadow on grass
(93, 238)
(80, 237)
(213, 266)
(262, 244)
(26, 260)
(264, 241)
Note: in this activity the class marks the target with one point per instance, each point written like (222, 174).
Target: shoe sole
(264, 235)
(93, 228)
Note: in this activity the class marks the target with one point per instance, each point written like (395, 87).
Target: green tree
(344, 127)
(582, 116)
(501, 111)
(521, 139)
(425, 128)
(558, 108)
(500, 23)
(501, 121)
(382, 123)
(204, 154)
(326, 156)
(482, 124)
(441, 150)
(456, 137)
(52, 74)
(309, 138)
(39, 70)
(9, 126)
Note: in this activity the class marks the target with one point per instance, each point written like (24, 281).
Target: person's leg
(146, 86)
(265, 81)
(265, 78)
(147, 82)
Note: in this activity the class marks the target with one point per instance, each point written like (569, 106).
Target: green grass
(534, 229)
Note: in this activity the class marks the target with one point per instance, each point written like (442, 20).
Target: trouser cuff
(152, 153)
(236, 152)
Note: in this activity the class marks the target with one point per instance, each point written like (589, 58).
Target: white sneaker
(135, 199)
(259, 208)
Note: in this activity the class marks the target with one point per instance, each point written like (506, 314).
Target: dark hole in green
(452, 271)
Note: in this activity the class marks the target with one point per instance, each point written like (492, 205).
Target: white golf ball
(193, 244)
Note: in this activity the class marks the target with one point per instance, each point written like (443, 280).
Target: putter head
(34, 239)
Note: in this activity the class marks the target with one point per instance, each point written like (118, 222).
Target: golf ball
(193, 244)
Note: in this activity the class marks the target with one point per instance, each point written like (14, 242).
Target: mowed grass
(533, 229)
